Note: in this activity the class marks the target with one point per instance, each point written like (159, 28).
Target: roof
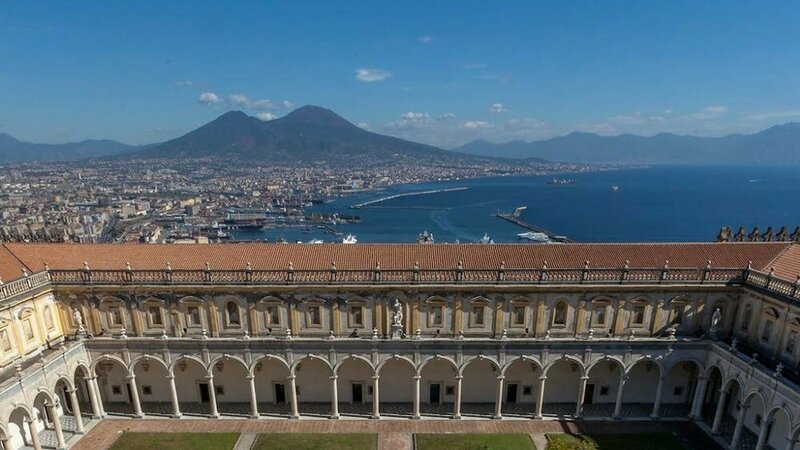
(10, 266)
(784, 256)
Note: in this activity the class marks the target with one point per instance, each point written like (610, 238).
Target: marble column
(620, 391)
(137, 404)
(790, 443)
(581, 394)
(719, 412)
(212, 397)
(540, 399)
(700, 392)
(762, 434)
(376, 399)
(76, 410)
(457, 400)
(416, 397)
(292, 379)
(737, 430)
(97, 413)
(334, 397)
(498, 402)
(657, 403)
(173, 394)
(56, 418)
(253, 398)
(35, 442)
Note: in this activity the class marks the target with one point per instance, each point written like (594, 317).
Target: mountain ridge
(15, 150)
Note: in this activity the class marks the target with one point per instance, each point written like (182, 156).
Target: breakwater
(405, 194)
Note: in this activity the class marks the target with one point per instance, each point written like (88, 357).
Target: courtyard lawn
(650, 441)
(175, 441)
(474, 442)
(310, 441)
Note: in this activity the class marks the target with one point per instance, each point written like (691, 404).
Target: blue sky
(441, 72)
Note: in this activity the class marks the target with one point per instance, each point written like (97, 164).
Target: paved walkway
(393, 434)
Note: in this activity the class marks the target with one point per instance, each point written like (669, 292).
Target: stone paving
(103, 435)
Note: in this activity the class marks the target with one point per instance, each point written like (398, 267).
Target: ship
(534, 236)
(561, 181)
(425, 238)
(615, 188)
(486, 239)
(349, 239)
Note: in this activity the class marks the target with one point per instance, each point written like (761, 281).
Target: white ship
(486, 239)
(425, 238)
(534, 236)
(315, 241)
(349, 239)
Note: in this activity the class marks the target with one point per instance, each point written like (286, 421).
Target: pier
(405, 194)
(514, 218)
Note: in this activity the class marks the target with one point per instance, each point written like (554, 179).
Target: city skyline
(426, 72)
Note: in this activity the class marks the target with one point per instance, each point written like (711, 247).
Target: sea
(653, 204)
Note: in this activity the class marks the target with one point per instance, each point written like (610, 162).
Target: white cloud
(473, 66)
(773, 115)
(415, 116)
(287, 104)
(497, 108)
(425, 39)
(184, 83)
(473, 124)
(363, 125)
(242, 101)
(708, 113)
(372, 75)
(209, 98)
(265, 116)
(447, 115)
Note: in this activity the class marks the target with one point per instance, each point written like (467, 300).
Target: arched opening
(115, 392)
(153, 386)
(712, 395)
(521, 388)
(396, 387)
(314, 387)
(753, 417)
(779, 428)
(437, 387)
(679, 385)
(562, 388)
(355, 387)
(232, 315)
(272, 387)
(602, 387)
(479, 388)
(232, 386)
(640, 389)
(81, 383)
(193, 387)
(44, 416)
(18, 430)
(69, 421)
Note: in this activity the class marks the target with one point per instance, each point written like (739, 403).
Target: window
(527, 389)
(272, 315)
(599, 315)
(791, 342)
(115, 314)
(603, 390)
(677, 391)
(356, 316)
(116, 389)
(233, 314)
(477, 315)
(435, 315)
(677, 315)
(748, 317)
(147, 389)
(637, 317)
(314, 316)
(757, 420)
(27, 326)
(155, 315)
(220, 390)
(767, 331)
(518, 315)
(193, 316)
(5, 340)
(449, 390)
(560, 314)
(48, 318)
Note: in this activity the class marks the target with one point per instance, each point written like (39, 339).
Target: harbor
(405, 194)
(515, 218)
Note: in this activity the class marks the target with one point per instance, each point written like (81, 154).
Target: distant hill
(14, 150)
(308, 133)
(777, 145)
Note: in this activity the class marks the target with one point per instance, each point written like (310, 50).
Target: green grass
(649, 441)
(309, 441)
(474, 442)
(175, 441)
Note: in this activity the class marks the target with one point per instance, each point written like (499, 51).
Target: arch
(645, 359)
(18, 432)
(639, 390)
(310, 357)
(184, 358)
(396, 385)
(521, 386)
(563, 377)
(607, 358)
(271, 375)
(314, 382)
(105, 358)
(747, 399)
(149, 358)
(565, 358)
(531, 359)
(227, 357)
(469, 361)
(193, 384)
(395, 357)
(775, 409)
(354, 377)
(479, 385)
(233, 314)
(604, 374)
(267, 358)
(560, 312)
(352, 356)
(230, 376)
(65, 378)
(670, 365)
(430, 359)
(151, 374)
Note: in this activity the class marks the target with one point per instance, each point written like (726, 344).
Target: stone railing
(24, 284)
(416, 275)
(771, 283)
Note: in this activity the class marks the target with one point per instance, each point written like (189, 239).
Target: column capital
(250, 376)
(334, 377)
(130, 376)
(210, 378)
(170, 377)
(416, 377)
(542, 377)
(72, 390)
(585, 377)
(291, 377)
(376, 377)
(501, 377)
(458, 377)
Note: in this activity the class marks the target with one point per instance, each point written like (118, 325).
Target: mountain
(14, 150)
(777, 145)
(309, 133)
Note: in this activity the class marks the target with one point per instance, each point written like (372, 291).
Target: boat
(615, 188)
(561, 181)
(425, 238)
(534, 236)
(486, 239)
(315, 241)
(349, 239)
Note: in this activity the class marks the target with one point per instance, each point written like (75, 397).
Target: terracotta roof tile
(787, 264)
(10, 266)
(402, 256)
